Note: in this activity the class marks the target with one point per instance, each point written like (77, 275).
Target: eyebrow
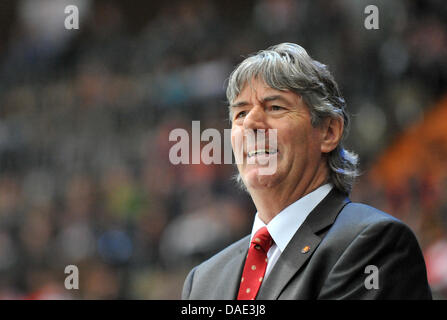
(264, 100)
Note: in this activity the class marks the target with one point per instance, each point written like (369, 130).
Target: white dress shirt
(286, 223)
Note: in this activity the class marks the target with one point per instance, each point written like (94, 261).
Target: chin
(254, 180)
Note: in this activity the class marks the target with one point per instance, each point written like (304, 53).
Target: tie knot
(262, 239)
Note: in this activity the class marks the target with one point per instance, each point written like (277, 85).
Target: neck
(271, 201)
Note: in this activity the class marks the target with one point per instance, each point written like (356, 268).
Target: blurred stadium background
(85, 116)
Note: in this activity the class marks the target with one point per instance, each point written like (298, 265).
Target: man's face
(298, 143)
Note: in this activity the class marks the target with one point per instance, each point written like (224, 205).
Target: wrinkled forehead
(248, 89)
(253, 84)
(254, 88)
(273, 80)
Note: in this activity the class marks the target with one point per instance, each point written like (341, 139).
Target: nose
(255, 119)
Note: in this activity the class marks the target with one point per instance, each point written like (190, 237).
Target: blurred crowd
(85, 117)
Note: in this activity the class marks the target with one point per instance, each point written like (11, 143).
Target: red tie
(255, 265)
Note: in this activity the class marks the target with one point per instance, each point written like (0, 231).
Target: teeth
(261, 151)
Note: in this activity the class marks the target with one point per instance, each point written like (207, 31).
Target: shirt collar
(286, 223)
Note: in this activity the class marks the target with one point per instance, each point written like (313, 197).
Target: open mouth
(262, 152)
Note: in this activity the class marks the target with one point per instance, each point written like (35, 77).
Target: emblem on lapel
(305, 249)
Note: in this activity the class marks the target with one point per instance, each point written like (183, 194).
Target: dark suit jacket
(344, 238)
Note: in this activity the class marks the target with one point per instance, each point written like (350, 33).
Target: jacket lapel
(232, 273)
(308, 236)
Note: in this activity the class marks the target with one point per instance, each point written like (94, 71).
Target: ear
(332, 131)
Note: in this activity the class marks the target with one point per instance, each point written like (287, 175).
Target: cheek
(237, 135)
(297, 145)
(294, 140)
(315, 141)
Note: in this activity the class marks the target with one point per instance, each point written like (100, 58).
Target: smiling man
(308, 240)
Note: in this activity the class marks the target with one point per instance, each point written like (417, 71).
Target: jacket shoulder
(358, 216)
(225, 254)
(356, 219)
(364, 236)
(221, 270)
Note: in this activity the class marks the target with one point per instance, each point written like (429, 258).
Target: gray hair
(287, 66)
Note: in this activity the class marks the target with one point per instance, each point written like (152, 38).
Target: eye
(277, 108)
(240, 114)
